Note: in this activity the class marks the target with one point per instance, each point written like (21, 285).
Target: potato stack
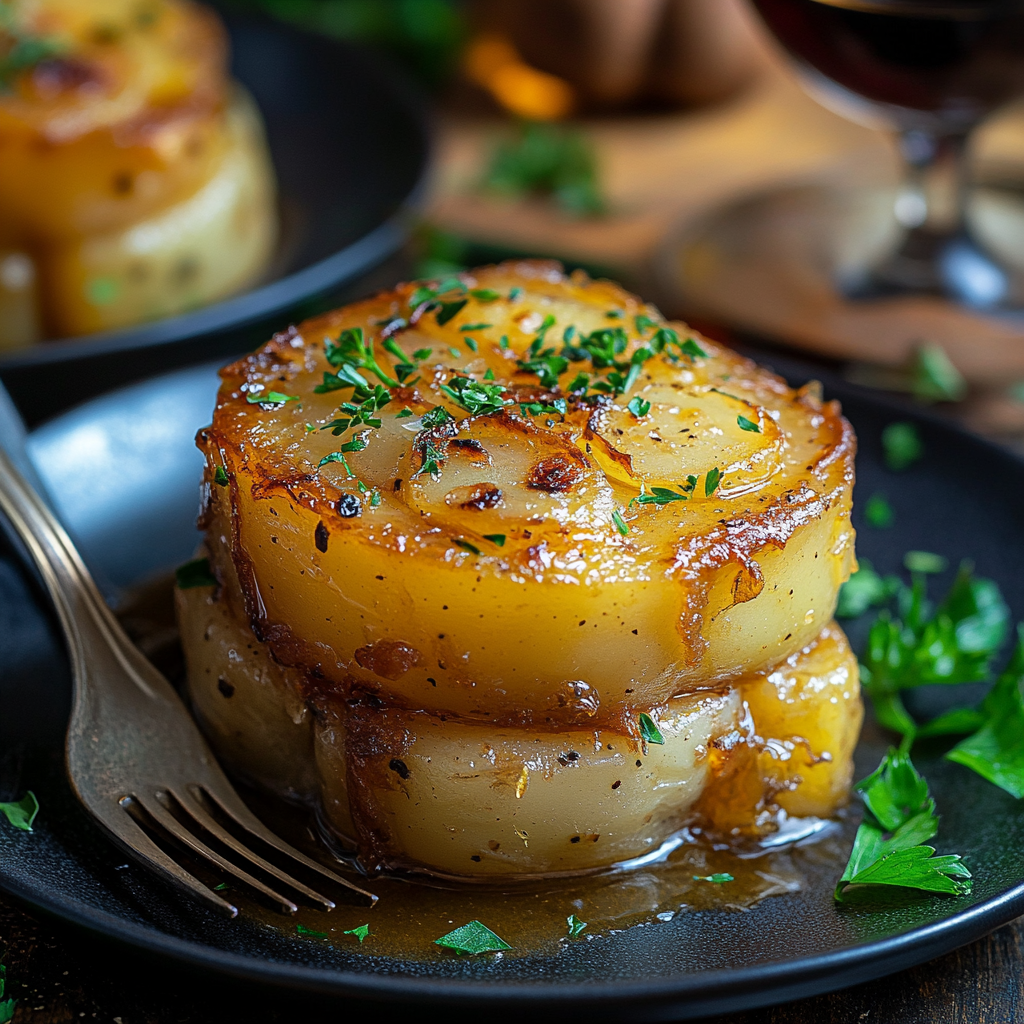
(134, 179)
(513, 577)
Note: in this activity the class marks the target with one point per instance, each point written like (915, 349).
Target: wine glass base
(812, 266)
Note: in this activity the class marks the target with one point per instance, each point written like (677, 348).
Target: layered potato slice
(134, 177)
(420, 791)
(524, 498)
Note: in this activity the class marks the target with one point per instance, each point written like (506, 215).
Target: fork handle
(84, 615)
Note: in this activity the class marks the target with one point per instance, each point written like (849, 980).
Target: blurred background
(674, 145)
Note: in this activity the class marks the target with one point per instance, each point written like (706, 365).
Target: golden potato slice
(516, 517)
(462, 798)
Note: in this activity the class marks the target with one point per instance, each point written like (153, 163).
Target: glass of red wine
(932, 70)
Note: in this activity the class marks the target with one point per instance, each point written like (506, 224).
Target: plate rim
(722, 990)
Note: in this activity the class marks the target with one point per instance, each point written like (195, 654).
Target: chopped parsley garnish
(934, 377)
(711, 481)
(514, 293)
(466, 546)
(436, 417)
(503, 342)
(456, 353)
(220, 886)
(357, 444)
(220, 476)
(692, 349)
(878, 512)
(471, 344)
(404, 414)
(614, 314)
(496, 538)
(448, 310)
(361, 414)
(620, 523)
(865, 589)
(559, 405)
(639, 407)
(924, 562)
(472, 939)
(303, 930)
(432, 460)
(270, 399)
(21, 814)
(477, 398)
(485, 294)
(745, 424)
(196, 573)
(346, 377)
(6, 1005)
(360, 933)
(718, 878)
(649, 732)
(353, 352)
(899, 819)
(489, 374)
(664, 495)
(475, 327)
(644, 322)
(996, 750)
(901, 445)
(575, 925)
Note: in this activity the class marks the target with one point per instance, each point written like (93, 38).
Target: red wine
(963, 57)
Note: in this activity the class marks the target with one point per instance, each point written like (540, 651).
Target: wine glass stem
(934, 192)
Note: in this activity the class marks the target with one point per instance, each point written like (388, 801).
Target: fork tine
(231, 804)
(129, 835)
(166, 820)
(192, 806)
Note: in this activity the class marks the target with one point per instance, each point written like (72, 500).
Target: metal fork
(133, 751)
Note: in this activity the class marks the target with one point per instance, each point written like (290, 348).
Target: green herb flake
(220, 887)
(196, 573)
(21, 813)
(471, 344)
(476, 398)
(350, 353)
(503, 343)
(878, 512)
(496, 538)
(449, 310)
(644, 323)
(718, 878)
(865, 589)
(745, 424)
(270, 399)
(620, 523)
(639, 407)
(614, 314)
(6, 1005)
(924, 562)
(475, 327)
(360, 933)
(404, 414)
(220, 476)
(514, 293)
(575, 925)
(455, 353)
(472, 939)
(489, 375)
(934, 378)
(996, 750)
(466, 546)
(901, 445)
(375, 499)
(692, 349)
(889, 848)
(485, 294)
(649, 731)
(711, 481)
(309, 932)
(663, 495)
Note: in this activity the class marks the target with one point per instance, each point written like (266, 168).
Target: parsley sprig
(21, 814)
(477, 398)
(899, 819)
(353, 351)
(360, 414)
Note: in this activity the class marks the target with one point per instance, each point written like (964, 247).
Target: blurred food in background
(614, 54)
(134, 178)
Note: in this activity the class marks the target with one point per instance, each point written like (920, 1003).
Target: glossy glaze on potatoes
(452, 584)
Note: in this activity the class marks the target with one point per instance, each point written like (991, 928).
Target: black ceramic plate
(124, 470)
(349, 142)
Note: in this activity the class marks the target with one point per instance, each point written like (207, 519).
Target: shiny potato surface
(206, 246)
(527, 498)
(418, 791)
(122, 118)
